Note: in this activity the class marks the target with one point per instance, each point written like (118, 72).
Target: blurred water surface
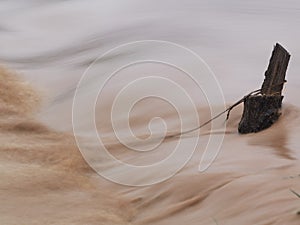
(53, 42)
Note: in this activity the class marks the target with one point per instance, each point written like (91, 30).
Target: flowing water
(44, 178)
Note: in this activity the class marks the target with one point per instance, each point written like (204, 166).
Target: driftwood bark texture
(261, 111)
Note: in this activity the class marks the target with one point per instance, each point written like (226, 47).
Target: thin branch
(295, 193)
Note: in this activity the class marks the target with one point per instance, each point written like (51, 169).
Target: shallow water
(44, 178)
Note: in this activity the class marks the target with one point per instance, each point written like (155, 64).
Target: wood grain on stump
(261, 111)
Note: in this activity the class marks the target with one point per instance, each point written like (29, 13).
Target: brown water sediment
(44, 179)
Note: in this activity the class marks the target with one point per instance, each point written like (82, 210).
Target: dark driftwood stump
(261, 111)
